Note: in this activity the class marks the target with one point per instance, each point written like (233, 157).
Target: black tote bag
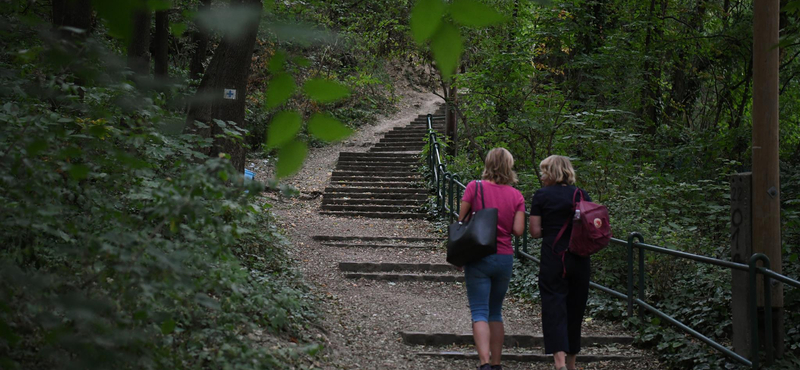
(475, 237)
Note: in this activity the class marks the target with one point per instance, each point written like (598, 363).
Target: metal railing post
(753, 298)
(631, 236)
(641, 279)
(457, 194)
(450, 199)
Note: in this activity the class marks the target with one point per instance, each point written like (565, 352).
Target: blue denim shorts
(487, 283)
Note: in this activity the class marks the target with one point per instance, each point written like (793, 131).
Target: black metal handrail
(448, 189)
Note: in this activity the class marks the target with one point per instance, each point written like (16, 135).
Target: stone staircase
(385, 181)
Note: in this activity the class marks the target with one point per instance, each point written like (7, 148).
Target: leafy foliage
(652, 102)
(122, 245)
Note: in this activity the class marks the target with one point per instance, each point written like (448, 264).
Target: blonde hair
(557, 169)
(498, 167)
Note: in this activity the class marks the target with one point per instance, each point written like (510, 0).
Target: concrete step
(406, 277)
(411, 130)
(413, 161)
(408, 134)
(335, 176)
(394, 149)
(357, 238)
(388, 202)
(398, 145)
(376, 196)
(527, 357)
(368, 156)
(371, 208)
(332, 189)
(403, 140)
(384, 215)
(378, 245)
(396, 174)
(377, 167)
(370, 184)
(393, 267)
(517, 340)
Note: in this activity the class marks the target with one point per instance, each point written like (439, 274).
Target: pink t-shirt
(508, 202)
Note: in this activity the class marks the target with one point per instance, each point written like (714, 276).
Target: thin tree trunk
(72, 13)
(228, 69)
(652, 73)
(139, 46)
(200, 41)
(161, 44)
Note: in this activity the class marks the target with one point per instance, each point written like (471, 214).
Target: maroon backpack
(591, 231)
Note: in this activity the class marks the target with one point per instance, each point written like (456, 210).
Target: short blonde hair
(557, 169)
(498, 167)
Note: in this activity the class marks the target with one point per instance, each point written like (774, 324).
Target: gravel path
(363, 318)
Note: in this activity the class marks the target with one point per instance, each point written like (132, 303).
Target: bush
(121, 246)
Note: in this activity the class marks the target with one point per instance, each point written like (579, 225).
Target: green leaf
(177, 29)
(78, 171)
(118, 16)
(280, 89)
(473, 13)
(325, 91)
(283, 127)
(7, 334)
(290, 158)
(36, 147)
(156, 5)
(425, 19)
(447, 47)
(794, 5)
(327, 128)
(167, 327)
(302, 62)
(277, 61)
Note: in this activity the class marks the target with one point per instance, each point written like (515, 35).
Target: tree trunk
(72, 13)
(161, 44)
(652, 71)
(229, 69)
(139, 46)
(450, 119)
(200, 42)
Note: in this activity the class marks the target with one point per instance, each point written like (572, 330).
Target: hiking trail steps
(395, 303)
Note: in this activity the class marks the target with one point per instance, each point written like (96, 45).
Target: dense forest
(128, 234)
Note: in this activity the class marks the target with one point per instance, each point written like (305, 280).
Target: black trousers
(563, 300)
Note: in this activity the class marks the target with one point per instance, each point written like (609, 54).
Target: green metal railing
(449, 189)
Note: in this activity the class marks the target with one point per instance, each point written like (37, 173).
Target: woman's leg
(481, 332)
(578, 273)
(571, 362)
(478, 288)
(560, 359)
(553, 292)
(501, 277)
(497, 337)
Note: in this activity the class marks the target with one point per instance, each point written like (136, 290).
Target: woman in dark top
(563, 282)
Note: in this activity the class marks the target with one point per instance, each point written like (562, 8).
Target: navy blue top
(554, 204)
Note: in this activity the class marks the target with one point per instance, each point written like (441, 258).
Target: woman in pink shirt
(487, 279)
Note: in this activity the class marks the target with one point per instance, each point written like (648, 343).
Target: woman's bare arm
(465, 207)
(535, 226)
(519, 223)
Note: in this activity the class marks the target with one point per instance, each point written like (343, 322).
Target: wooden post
(766, 177)
(741, 250)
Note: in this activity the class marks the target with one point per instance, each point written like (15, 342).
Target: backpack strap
(563, 229)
